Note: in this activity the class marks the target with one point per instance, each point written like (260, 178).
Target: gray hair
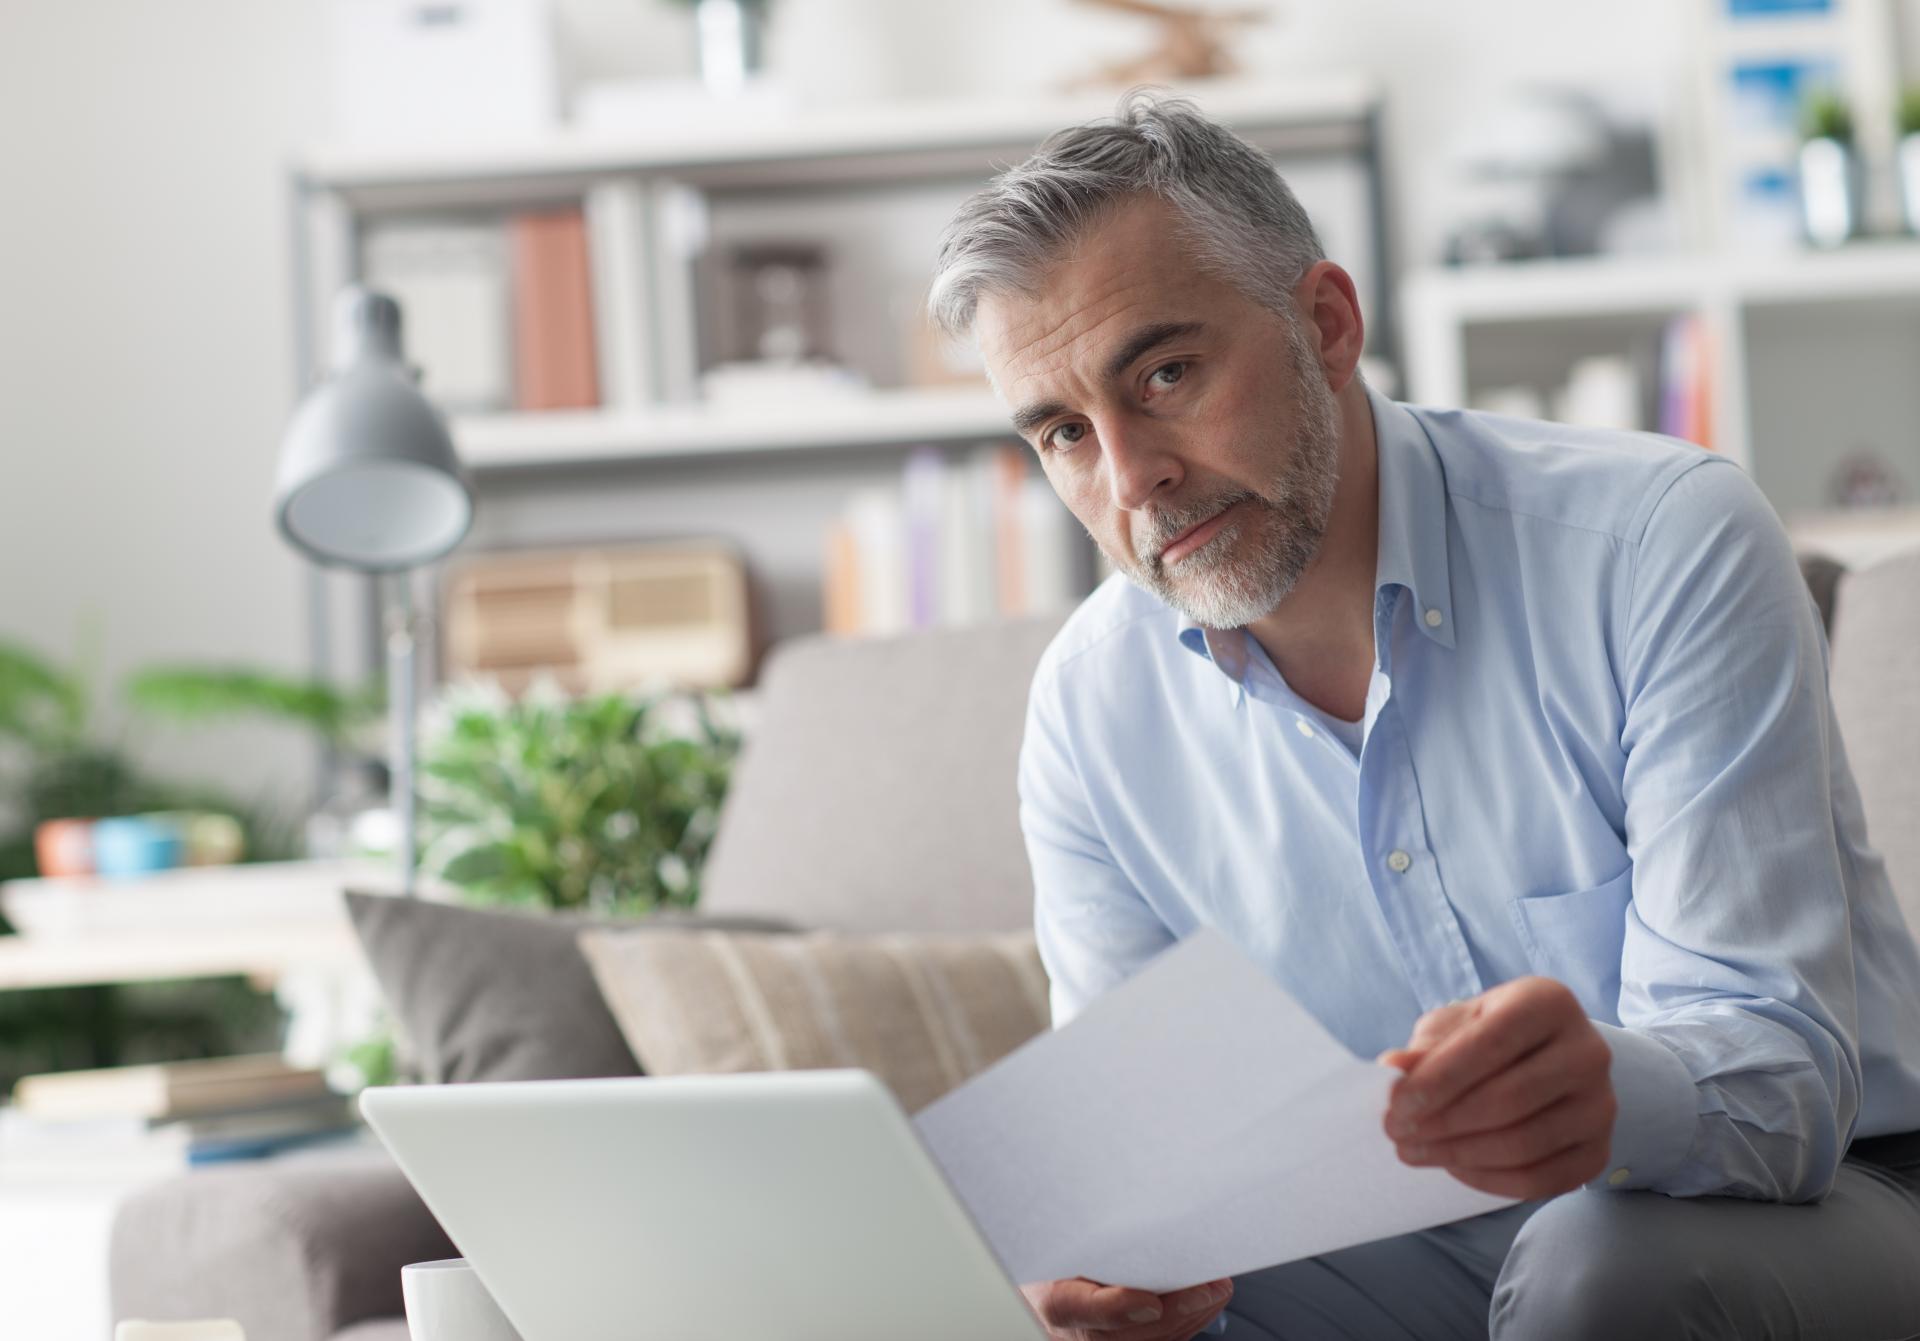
(1242, 221)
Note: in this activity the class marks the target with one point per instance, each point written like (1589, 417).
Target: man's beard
(1217, 586)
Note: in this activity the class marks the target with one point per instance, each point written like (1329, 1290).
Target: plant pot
(1831, 191)
(131, 845)
(1909, 159)
(63, 847)
(733, 42)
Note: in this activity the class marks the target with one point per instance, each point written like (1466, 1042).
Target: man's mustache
(1165, 525)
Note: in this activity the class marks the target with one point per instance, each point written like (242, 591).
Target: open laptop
(793, 1206)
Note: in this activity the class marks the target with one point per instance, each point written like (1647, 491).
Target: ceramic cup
(447, 1302)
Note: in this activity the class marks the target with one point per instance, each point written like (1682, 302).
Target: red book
(555, 362)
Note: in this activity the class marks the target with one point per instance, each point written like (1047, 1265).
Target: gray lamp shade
(368, 475)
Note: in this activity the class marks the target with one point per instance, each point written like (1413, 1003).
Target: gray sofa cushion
(381, 1329)
(878, 793)
(483, 994)
(294, 1248)
(1876, 696)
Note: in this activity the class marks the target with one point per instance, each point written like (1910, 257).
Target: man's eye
(1064, 436)
(1168, 374)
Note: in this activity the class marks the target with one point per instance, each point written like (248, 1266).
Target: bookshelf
(1807, 352)
(698, 431)
(657, 462)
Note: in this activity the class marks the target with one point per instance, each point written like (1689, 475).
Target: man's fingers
(1085, 1303)
(1439, 1024)
(1561, 1172)
(1131, 1315)
(1540, 1079)
(1520, 1146)
(1499, 1034)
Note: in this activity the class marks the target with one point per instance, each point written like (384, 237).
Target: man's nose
(1139, 463)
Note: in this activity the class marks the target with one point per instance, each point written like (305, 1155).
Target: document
(1194, 1123)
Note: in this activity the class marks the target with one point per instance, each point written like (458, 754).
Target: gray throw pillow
(486, 994)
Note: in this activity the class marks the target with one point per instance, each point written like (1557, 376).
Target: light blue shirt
(1597, 747)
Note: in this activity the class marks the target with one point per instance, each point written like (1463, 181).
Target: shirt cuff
(1658, 1110)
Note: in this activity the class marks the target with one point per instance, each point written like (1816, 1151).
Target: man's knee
(1600, 1266)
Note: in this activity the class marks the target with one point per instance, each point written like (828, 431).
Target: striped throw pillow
(921, 1012)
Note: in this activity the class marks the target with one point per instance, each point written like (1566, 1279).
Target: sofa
(876, 794)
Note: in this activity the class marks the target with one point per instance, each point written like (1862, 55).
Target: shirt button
(1433, 618)
(1304, 728)
(1618, 1176)
(1398, 861)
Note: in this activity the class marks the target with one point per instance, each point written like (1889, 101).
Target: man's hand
(1084, 1310)
(1507, 1091)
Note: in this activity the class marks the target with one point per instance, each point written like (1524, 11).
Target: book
(451, 283)
(556, 363)
(960, 540)
(616, 213)
(167, 1089)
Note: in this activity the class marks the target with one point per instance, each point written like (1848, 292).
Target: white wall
(144, 357)
(145, 360)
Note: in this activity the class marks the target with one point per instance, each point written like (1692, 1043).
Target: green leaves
(193, 694)
(572, 803)
(1825, 116)
(41, 705)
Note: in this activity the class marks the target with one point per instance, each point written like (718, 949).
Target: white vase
(1830, 191)
(1909, 159)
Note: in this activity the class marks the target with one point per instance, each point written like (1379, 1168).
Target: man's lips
(1195, 536)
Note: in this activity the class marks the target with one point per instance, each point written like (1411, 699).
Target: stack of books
(129, 1121)
(962, 539)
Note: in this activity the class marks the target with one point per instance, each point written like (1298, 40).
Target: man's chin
(1213, 600)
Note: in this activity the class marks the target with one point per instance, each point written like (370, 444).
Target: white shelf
(838, 139)
(680, 432)
(1570, 289)
(260, 920)
(267, 954)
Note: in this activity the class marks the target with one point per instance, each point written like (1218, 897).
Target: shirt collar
(1412, 551)
(1413, 518)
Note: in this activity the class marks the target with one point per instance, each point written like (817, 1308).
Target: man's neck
(1320, 638)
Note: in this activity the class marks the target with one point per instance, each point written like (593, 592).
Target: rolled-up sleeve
(1093, 926)
(1737, 1062)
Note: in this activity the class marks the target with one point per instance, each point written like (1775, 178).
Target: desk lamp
(369, 481)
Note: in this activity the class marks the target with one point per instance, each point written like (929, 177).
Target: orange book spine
(1010, 473)
(556, 365)
(842, 594)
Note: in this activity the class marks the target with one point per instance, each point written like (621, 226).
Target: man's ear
(1328, 300)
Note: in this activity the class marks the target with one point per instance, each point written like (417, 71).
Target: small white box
(437, 69)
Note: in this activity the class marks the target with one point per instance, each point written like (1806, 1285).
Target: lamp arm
(401, 631)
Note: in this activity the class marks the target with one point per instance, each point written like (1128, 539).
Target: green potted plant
(733, 41)
(1830, 179)
(1907, 122)
(603, 802)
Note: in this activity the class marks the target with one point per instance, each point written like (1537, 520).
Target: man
(1505, 747)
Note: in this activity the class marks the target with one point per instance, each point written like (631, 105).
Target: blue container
(136, 845)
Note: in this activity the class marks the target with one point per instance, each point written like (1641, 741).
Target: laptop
(789, 1206)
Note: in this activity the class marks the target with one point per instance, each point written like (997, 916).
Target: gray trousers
(1602, 1266)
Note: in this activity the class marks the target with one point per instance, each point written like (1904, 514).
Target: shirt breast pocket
(1576, 938)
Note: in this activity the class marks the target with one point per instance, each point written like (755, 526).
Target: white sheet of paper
(1196, 1122)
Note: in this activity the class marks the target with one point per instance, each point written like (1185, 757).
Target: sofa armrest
(295, 1248)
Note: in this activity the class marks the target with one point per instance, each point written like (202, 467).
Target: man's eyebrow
(1147, 338)
(1030, 417)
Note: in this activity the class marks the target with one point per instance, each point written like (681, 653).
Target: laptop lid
(785, 1206)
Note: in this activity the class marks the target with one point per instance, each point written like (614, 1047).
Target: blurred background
(661, 265)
